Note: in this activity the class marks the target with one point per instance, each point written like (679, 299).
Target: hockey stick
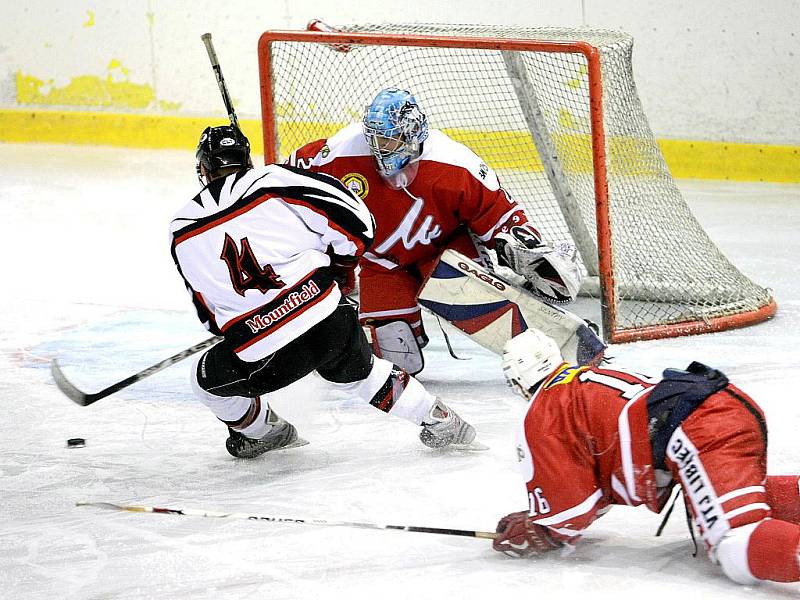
(447, 340)
(189, 512)
(84, 399)
(223, 88)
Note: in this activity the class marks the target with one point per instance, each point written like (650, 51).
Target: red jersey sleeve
(481, 203)
(303, 157)
(563, 494)
(563, 491)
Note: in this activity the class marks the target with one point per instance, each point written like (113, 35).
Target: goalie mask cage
(555, 112)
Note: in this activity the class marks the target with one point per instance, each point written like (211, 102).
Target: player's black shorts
(336, 348)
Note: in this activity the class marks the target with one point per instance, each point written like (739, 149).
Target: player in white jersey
(261, 251)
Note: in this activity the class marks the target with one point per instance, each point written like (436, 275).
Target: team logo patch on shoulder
(564, 375)
(356, 183)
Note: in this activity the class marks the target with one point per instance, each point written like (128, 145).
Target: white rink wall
(713, 70)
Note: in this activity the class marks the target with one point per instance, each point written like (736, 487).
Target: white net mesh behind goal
(528, 115)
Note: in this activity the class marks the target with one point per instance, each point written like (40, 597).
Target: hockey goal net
(555, 112)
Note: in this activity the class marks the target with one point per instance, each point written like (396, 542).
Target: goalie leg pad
(492, 310)
(589, 348)
(396, 342)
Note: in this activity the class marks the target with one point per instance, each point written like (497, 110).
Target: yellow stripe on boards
(113, 129)
(687, 159)
(724, 160)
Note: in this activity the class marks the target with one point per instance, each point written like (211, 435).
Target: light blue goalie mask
(394, 127)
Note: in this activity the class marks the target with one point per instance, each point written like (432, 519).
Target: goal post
(556, 113)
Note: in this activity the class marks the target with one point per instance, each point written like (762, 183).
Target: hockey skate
(282, 434)
(444, 428)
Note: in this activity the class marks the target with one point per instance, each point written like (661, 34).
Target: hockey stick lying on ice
(188, 512)
(84, 399)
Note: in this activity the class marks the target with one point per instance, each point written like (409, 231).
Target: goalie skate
(281, 436)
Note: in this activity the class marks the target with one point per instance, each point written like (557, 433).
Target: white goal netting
(529, 114)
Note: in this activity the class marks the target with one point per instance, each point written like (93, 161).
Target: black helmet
(222, 147)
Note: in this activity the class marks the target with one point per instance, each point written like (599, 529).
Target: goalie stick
(84, 399)
(189, 512)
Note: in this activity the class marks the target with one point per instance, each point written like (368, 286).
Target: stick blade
(106, 505)
(68, 389)
(474, 446)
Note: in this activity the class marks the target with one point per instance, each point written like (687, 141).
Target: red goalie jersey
(453, 187)
(453, 191)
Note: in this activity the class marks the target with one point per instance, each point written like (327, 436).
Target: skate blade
(295, 444)
(474, 446)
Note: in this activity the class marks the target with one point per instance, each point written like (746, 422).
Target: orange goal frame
(598, 145)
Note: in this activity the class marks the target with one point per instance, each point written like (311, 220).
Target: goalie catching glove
(550, 270)
(520, 536)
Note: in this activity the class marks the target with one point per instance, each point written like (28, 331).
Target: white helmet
(528, 358)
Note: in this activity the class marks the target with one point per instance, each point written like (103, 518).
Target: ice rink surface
(87, 278)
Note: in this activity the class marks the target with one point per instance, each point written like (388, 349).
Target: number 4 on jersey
(246, 272)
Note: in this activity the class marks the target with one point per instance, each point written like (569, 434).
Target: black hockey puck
(76, 443)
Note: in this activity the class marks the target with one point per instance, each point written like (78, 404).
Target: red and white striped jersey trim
(564, 521)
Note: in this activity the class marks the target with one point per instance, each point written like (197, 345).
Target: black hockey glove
(344, 272)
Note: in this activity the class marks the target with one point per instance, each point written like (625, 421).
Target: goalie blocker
(491, 310)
